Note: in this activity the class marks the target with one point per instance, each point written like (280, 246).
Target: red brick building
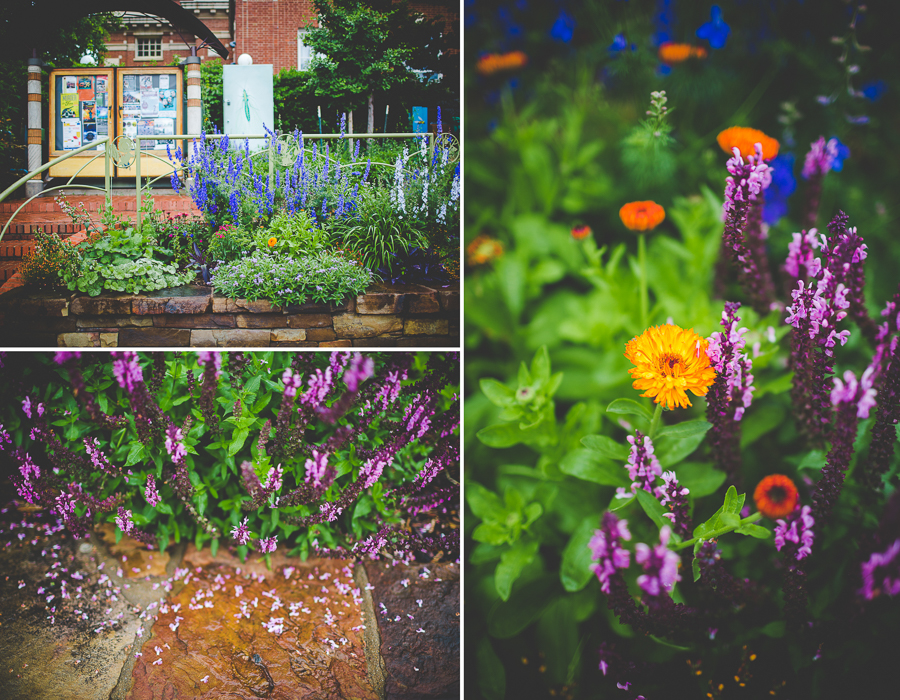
(149, 40)
(271, 31)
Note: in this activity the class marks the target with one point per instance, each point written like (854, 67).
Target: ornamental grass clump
(337, 454)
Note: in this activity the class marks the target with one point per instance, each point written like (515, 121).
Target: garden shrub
(317, 277)
(52, 258)
(335, 454)
(293, 235)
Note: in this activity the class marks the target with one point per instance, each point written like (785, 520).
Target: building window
(304, 53)
(148, 49)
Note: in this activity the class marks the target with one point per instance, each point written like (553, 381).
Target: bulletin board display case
(82, 104)
(149, 102)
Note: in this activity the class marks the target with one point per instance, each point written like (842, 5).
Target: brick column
(194, 105)
(36, 184)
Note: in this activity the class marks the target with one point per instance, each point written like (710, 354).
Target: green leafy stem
(732, 523)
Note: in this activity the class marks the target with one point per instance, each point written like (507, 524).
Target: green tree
(368, 47)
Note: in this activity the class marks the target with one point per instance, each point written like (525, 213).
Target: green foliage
(212, 94)
(123, 260)
(221, 436)
(52, 259)
(368, 47)
(377, 231)
(295, 235)
(317, 277)
(229, 243)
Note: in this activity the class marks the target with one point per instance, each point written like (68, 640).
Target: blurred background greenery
(558, 136)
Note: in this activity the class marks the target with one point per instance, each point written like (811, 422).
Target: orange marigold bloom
(776, 496)
(495, 62)
(669, 361)
(671, 52)
(581, 232)
(745, 139)
(272, 241)
(642, 216)
(483, 249)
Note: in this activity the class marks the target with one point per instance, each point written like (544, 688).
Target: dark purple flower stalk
(731, 393)
(884, 432)
(755, 239)
(643, 466)
(794, 538)
(819, 160)
(742, 189)
(671, 493)
(816, 310)
(211, 362)
(801, 262)
(715, 578)
(852, 400)
(845, 260)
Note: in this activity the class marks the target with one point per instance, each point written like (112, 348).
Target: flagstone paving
(98, 619)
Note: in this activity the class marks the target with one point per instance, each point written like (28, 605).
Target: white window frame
(305, 54)
(146, 57)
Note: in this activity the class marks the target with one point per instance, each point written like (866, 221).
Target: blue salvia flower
(343, 123)
(368, 167)
(356, 150)
(324, 208)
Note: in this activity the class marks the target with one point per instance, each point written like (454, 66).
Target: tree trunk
(371, 113)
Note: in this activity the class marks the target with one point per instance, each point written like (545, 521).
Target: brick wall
(267, 29)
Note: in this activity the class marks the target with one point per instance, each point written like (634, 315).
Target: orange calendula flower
(495, 62)
(670, 361)
(776, 496)
(581, 232)
(745, 139)
(642, 216)
(272, 241)
(483, 249)
(671, 52)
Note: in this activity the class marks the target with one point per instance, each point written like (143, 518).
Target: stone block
(109, 340)
(230, 338)
(78, 340)
(449, 297)
(223, 305)
(106, 304)
(426, 326)
(308, 320)
(425, 303)
(382, 341)
(310, 308)
(259, 320)
(194, 320)
(177, 300)
(343, 343)
(320, 334)
(154, 337)
(354, 326)
(288, 335)
(118, 321)
(44, 305)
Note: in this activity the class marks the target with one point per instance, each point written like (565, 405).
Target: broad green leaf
(164, 508)
(731, 501)
(700, 478)
(532, 512)
(703, 528)
(774, 629)
(685, 429)
(484, 552)
(252, 385)
(728, 520)
(497, 393)
(585, 464)
(695, 567)
(136, 454)
(575, 571)
(606, 446)
(557, 632)
(758, 423)
(512, 562)
(671, 451)
(815, 459)
(501, 435)
(540, 366)
(654, 510)
(629, 407)
(214, 546)
(754, 530)
(524, 606)
(237, 442)
(491, 674)
(485, 504)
